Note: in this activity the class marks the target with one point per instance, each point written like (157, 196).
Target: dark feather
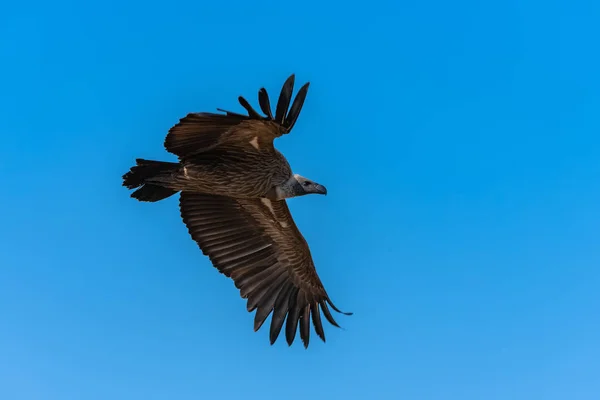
(199, 132)
(292, 116)
(250, 282)
(252, 113)
(242, 274)
(291, 325)
(140, 175)
(280, 311)
(316, 318)
(337, 309)
(284, 100)
(266, 296)
(266, 304)
(261, 316)
(265, 103)
(255, 259)
(225, 237)
(261, 281)
(305, 325)
(152, 193)
(328, 315)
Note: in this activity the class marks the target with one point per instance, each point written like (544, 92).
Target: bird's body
(224, 171)
(234, 185)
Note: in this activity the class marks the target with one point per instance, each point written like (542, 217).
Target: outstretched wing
(200, 132)
(257, 244)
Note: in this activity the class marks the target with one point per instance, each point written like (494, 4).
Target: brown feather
(291, 325)
(258, 282)
(266, 296)
(198, 132)
(266, 256)
(305, 325)
(255, 259)
(249, 283)
(280, 311)
(316, 318)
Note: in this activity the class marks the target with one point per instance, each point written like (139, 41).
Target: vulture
(233, 186)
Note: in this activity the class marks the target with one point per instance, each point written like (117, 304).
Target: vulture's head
(302, 186)
(297, 186)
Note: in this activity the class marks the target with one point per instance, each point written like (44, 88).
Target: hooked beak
(320, 189)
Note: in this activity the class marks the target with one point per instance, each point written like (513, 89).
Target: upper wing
(200, 132)
(257, 244)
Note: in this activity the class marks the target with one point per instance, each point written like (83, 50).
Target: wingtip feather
(296, 107)
(316, 318)
(337, 309)
(291, 325)
(285, 98)
(265, 103)
(251, 111)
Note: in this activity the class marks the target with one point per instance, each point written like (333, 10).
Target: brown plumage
(233, 185)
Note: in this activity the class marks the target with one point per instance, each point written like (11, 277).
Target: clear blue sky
(460, 143)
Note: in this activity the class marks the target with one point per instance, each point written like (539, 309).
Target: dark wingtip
(251, 111)
(273, 338)
(337, 309)
(327, 313)
(305, 325)
(284, 114)
(316, 318)
(294, 113)
(265, 103)
(285, 97)
(258, 321)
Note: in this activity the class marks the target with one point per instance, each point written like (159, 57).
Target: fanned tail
(144, 170)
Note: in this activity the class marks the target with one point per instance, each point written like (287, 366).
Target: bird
(233, 186)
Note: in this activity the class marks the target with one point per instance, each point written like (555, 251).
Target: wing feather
(261, 249)
(265, 103)
(305, 324)
(316, 318)
(284, 99)
(280, 311)
(291, 324)
(202, 132)
(266, 295)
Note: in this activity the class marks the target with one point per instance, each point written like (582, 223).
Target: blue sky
(460, 145)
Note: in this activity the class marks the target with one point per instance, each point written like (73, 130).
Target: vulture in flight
(234, 185)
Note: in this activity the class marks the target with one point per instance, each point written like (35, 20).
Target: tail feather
(146, 169)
